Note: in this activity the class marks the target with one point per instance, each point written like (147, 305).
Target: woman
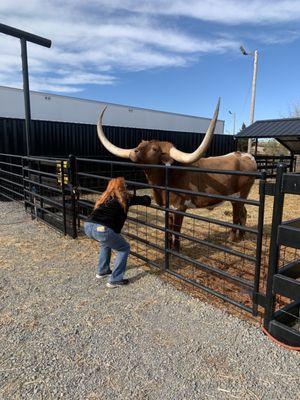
(105, 224)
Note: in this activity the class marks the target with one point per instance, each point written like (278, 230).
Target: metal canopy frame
(24, 38)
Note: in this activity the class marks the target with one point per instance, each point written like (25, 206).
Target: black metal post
(167, 206)
(274, 248)
(292, 161)
(256, 143)
(73, 189)
(259, 239)
(26, 93)
(62, 168)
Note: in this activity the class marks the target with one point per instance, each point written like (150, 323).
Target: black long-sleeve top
(112, 214)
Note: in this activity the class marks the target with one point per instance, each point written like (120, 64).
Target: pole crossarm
(29, 37)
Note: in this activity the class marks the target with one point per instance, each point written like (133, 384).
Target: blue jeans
(109, 240)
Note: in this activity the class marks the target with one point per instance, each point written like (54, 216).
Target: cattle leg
(239, 215)
(177, 228)
(243, 211)
(236, 220)
(171, 227)
(243, 219)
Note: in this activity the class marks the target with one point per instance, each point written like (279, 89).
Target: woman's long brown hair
(116, 189)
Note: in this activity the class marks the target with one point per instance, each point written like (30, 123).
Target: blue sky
(171, 55)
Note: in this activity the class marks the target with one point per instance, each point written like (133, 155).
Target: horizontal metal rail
(11, 155)
(46, 199)
(205, 219)
(145, 259)
(10, 173)
(179, 168)
(43, 185)
(11, 182)
(11, 198)
(215, 196)
(162, 229)
(11, 164)
(40, 173)
(44, 221)
(184, 191)
(212, 270)
(45, 161)
(210, 291)
(141, 184)
(82, 188)
(44, 209)
(11, 190)
(85, 203)
(145, 241)
(213, 245)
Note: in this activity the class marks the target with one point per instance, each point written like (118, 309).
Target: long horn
(189, 158)
(117, 151)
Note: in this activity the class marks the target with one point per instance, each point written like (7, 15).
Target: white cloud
(222, 11)
(93, 41)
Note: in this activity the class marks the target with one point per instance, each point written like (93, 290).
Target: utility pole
(252, 105)
(24, 38)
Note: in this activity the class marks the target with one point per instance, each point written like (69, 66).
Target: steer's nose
(136, 151)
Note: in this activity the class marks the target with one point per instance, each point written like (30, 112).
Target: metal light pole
(234, 117)
(24, 38)
(252, 105)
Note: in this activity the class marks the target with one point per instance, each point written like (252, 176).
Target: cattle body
(158, 152)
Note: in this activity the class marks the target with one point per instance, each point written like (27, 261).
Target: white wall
(51, 107)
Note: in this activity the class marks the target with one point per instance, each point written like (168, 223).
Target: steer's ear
(166, 159)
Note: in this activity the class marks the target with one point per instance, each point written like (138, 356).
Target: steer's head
(157, 152)
(152, 152)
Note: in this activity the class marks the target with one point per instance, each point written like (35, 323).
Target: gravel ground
(64, 335)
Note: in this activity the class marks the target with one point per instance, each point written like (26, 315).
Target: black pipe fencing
(269, 163)
(61, 193)
(150, 231)
(11, 177)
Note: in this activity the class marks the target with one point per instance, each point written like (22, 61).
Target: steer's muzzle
(135, 155)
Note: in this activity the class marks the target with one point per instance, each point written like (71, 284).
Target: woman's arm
(139, 200)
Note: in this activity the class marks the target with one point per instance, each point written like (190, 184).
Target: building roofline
(276, 119)
(112, 104)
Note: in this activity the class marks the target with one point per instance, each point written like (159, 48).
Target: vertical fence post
(73, 189)
(274, 249)
(41, 190)
(167, 206)
(24, 183)
(62, 168)
(259, 238)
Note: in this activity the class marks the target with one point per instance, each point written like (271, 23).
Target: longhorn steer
(157, 152)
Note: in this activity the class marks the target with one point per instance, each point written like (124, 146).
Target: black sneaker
(113, 285)
(102, 276)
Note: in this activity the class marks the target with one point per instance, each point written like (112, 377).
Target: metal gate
(207, 259)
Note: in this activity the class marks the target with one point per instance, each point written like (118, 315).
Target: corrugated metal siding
(272, 128)
(59, 139)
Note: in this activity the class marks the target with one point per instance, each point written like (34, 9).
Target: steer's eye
(154, 148)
